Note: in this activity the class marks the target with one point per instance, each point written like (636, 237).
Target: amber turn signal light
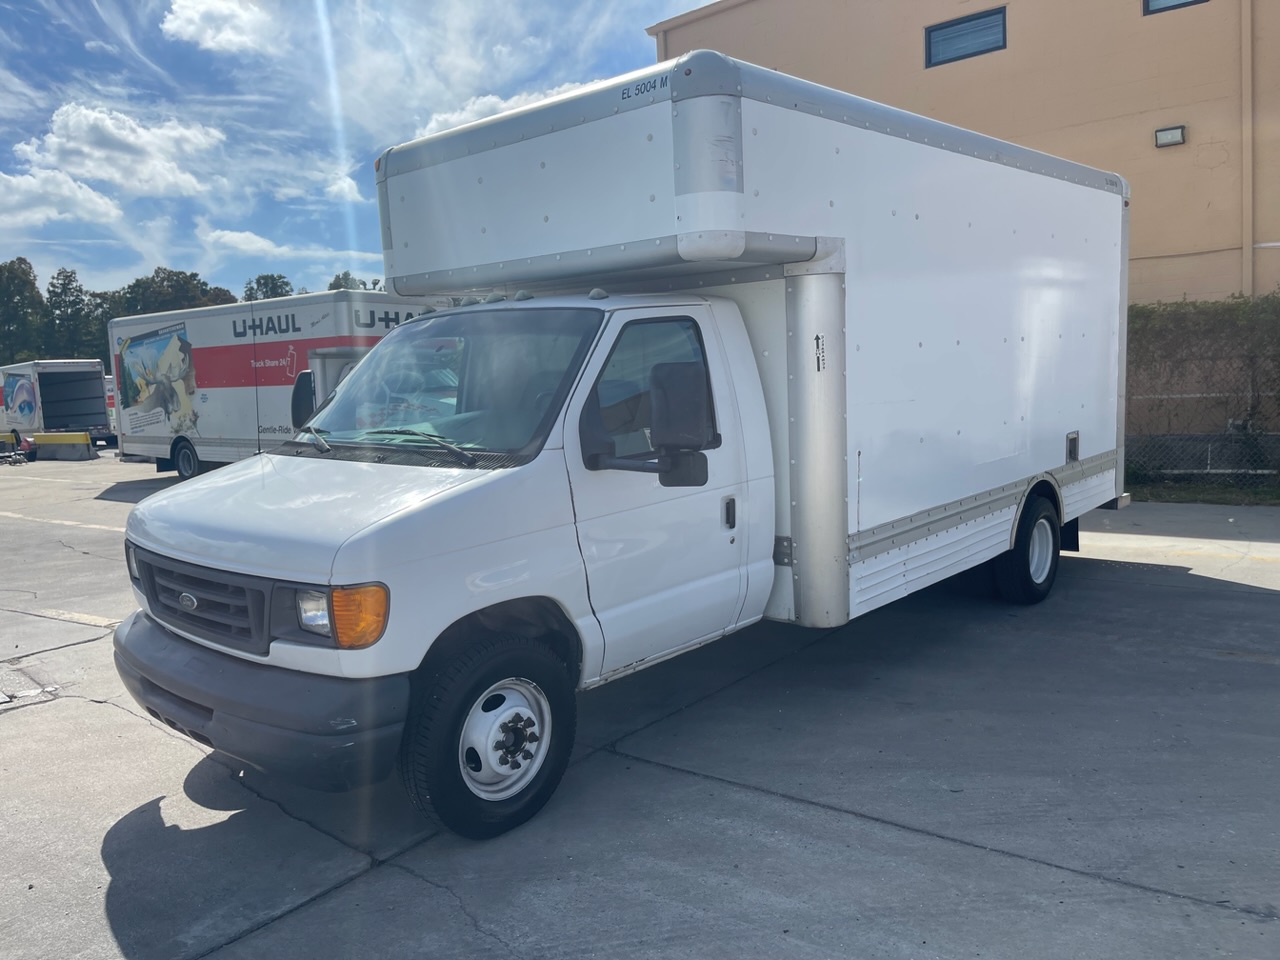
(359, 615)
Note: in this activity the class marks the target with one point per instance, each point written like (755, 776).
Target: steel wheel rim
(1041, 552)
(502, 748)
(186, 461)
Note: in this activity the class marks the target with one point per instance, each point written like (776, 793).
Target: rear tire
(489, 736)
(185, 460)
(1026, 573)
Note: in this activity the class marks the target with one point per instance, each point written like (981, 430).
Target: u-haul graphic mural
(213, 385)
(158, 383)
(18, 394)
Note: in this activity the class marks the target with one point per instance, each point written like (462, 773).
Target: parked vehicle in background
(213, 385)
(109, 383)
(748, 348)
(53, 396)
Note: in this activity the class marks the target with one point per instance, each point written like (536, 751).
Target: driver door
(664, 564)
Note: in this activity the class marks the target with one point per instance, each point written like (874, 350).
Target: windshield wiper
(319, 442)
(438, 440)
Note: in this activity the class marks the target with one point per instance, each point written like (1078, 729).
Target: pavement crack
(946, 838)
(466, 912)
(14, 661)
(246, 785)
(262, 925)
(87, 553)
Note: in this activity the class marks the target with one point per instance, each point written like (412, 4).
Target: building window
(965, 37)
(1157, 6)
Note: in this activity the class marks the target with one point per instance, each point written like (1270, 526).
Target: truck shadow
(168, 885)
(1112, 637)
(134, 491)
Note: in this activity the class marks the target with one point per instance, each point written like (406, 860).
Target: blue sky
(237, 137)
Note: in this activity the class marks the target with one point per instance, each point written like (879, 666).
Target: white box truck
(748, 348)
(53, 396)
(212, 385)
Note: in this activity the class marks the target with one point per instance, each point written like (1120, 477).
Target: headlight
(313, 612)
(131, 559)
(354, 617)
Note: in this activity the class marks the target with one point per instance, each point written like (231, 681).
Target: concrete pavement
(947, 777)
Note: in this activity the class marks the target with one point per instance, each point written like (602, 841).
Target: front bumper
(327, 733)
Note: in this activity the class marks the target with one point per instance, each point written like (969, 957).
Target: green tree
(21, 308)
(266, 286)
(169, 289)
(100, 309)
(345, 281)
(66, 306)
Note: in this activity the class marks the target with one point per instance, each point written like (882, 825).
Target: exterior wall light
(1171, 136)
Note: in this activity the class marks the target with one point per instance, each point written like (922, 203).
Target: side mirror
(303, 401)
(680, 407)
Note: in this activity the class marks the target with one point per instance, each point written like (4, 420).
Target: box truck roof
(698, 161)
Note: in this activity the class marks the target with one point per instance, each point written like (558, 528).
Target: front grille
(221, 607)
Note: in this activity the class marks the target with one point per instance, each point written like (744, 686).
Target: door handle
(731, 512)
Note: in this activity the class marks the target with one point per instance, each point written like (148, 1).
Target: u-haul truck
(212, 385)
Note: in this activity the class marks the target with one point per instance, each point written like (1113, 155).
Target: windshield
(484, 382)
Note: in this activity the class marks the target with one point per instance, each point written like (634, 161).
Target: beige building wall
(1089, 80)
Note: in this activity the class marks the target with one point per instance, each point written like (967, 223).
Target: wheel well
(173, 447)
(533, 618)
(1041, 488)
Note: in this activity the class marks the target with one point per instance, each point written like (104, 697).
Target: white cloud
(343, 189)
(247, 243)
(97, 46)
(33, 199)
(18, 98)
(226, 26)
(478, 108)
(93, 143)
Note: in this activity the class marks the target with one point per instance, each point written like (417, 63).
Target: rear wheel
(185, 460)
(489, 736)
(1026, 573)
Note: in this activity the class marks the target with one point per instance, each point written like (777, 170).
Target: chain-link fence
(1204, 394)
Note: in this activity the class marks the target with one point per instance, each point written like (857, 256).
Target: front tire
(1026, 573)
(489, 736)
(185, 460)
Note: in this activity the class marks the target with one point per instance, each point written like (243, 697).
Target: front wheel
(489, 736)
(185, 460)
(1026, 573)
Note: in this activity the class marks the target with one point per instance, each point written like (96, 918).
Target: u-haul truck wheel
(185, 459)
(1026, 573)
(489, 736)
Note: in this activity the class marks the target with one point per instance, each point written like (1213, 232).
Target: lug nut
(515, 764)
(528, 722)
(503, 760)
(526, 755)
(532, 738)
(499, 744)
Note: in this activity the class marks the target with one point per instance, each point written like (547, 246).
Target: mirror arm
(659, 465)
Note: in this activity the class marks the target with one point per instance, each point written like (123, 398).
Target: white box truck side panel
(982, 309)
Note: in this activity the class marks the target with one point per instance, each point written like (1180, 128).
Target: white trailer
(748, 348)
(53, 396)
(212, 385)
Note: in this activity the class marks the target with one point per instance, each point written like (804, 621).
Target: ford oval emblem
(188, 601)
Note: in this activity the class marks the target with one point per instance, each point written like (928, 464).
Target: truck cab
(580, 477)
